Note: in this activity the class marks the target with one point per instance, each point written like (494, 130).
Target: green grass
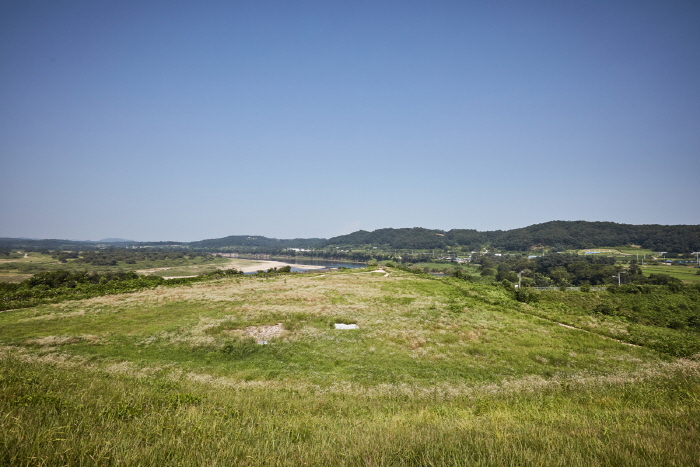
(55, 415)
(413, 330)
(663, 320)
(684, 273)
(448, 267)
(441, 372)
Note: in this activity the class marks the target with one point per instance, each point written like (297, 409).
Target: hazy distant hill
(256, 241)
(48, 244)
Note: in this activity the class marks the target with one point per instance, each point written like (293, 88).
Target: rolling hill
(560, 235)
(251, 371)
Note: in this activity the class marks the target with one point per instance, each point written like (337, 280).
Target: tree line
(57, 286)
(564, 270)
(112, 256)
(554, 235)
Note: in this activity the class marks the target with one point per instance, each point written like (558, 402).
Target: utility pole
(697, 256)
(618, 277)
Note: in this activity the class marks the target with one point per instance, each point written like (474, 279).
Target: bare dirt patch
(264, 265)
(265, 332)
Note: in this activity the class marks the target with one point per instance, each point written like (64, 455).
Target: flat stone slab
(346, 326)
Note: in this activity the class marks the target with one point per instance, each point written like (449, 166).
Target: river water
(316, 262)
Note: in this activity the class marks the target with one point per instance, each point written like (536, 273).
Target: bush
(459, 274)
(526, 296)
(604, 309)
(240, 348)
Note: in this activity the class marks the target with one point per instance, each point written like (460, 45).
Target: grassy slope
(440, 371)
(449, 267)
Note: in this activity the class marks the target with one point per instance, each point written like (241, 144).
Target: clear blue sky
(175, 120)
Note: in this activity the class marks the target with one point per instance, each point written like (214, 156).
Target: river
(316, 262)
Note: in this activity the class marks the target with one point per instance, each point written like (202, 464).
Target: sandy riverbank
(244, 265)
(257, 266)
(265, 265)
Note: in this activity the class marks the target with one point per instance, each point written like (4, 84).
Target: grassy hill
(440, 372)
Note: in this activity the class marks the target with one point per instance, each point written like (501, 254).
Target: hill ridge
(557, 234)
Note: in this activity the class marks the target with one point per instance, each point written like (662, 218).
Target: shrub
(240, 348)
(604, 309)
(526, 296)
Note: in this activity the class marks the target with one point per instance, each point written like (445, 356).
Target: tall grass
(55, 416)
(441, 372)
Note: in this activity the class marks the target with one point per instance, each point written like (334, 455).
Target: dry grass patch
(52, 341)
(264, 332)
(14, 278)
(527, 384)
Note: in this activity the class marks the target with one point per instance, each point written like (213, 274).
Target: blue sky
(173, 120)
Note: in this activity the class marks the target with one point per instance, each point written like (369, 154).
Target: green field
(637, 252)
(621, 253)
(684, 273)
(21, 266)
(440, 372)
(18, 269)
(626, 254)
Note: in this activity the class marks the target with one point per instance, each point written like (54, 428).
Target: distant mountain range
(555, 234)
(258, 241)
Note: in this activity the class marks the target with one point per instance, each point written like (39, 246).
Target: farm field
(636, 251)
(439, 372)
(621, 253)
(684, 273)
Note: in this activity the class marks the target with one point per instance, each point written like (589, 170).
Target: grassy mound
(440, 372)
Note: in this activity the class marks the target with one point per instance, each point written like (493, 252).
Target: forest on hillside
(554, 235)
(557, 235)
